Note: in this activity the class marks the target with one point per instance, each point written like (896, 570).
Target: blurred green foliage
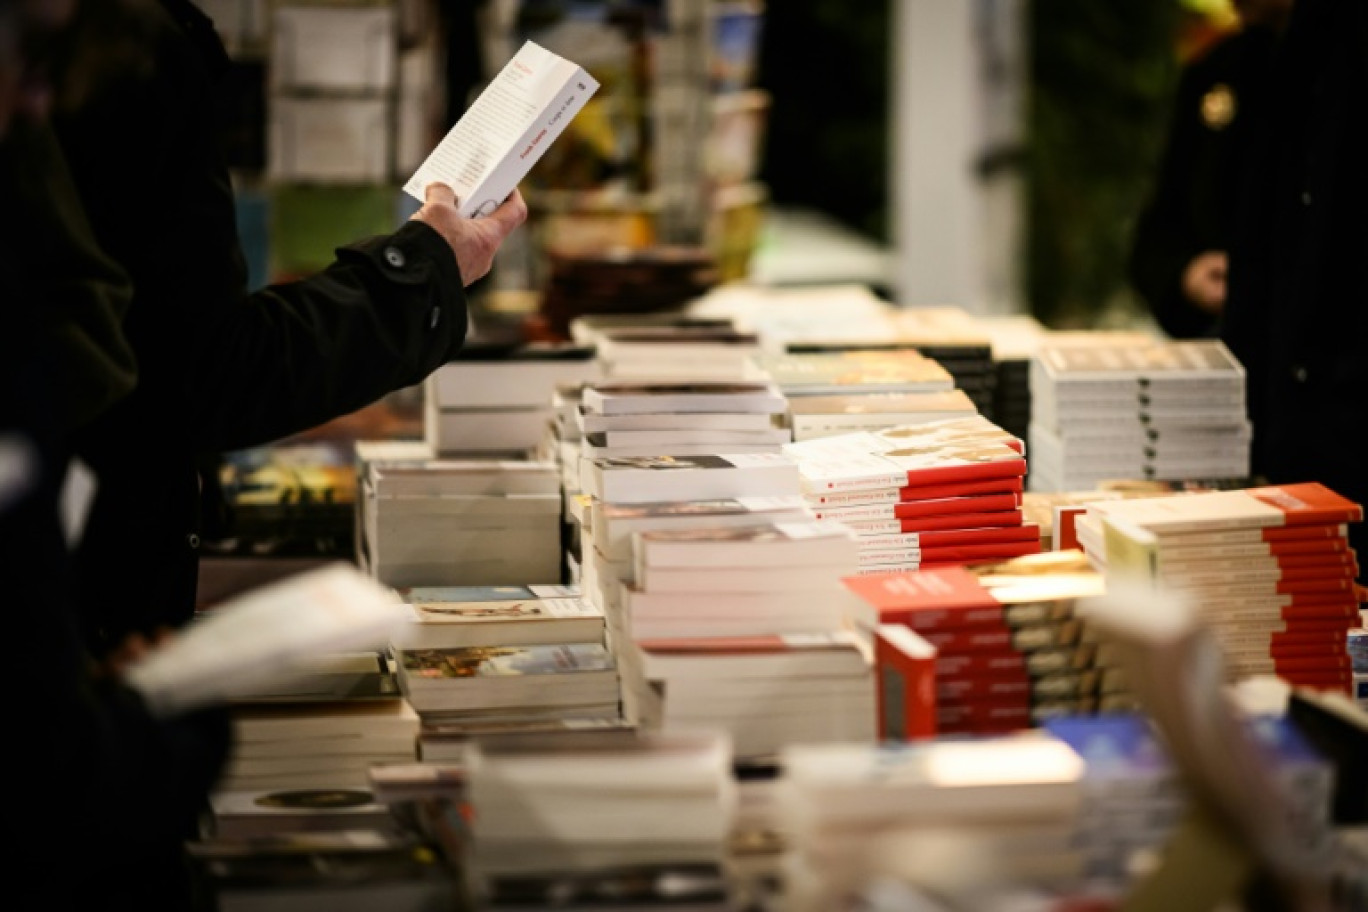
(1102, 78)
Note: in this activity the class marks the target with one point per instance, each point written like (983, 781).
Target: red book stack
(1009, 649)
(1269, 569)
(924, 495)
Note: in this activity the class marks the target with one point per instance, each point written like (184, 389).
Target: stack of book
(471, 522)
(593, 803)
(675, 352)
(956, 816)
(1134, 797)
(454, 627)
(1010, 650)
(1268, 569)
(610, 529)
(745, 628)
(840, 392)
(511, 683)
(630, 418)
(923, 495)
(1162, 410)
(496, 399)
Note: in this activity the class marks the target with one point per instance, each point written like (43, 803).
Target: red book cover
(988, 712)
(1334, 639)
(1342, 610)
(1308, 532)
(968, 471)
(1010, 485)
(1320, 648)
(937, 523)
(986, 663)
(900, 596)
(945, 506)
(1308, 503)
(983, 552)
(905, 667)
(984, 688)
(1329, 664)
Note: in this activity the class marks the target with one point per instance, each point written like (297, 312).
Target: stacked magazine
(1162, 410)
(921, 496)
(1010, 649)
(1269, 569)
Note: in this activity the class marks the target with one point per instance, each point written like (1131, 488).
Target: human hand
(474, 241)
(1204, 281)
(132, 649)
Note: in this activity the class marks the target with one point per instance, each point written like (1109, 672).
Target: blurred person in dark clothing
(1180, 250)
(222, 369)
(107, 794)
(1297, 315)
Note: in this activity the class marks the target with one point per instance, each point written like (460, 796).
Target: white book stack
(661, 353)
(472, 522)
(498, 400)
(597, 802)
(317, 744)
(686, 418)
(1163, 410)
(957, 817)
(767, 691)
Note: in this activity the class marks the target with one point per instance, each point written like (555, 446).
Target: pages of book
(506, 131)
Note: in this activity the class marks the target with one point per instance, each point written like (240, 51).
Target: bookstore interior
(1004, 574)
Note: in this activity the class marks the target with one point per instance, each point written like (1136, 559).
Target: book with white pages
(612, 525)
(592, 422)
(506, 130)
(629, 397)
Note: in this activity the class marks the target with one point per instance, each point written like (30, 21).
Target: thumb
(437, 192)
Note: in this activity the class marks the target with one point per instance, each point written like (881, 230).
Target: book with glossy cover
(516, 622)
(705, 477)
(612, 525)
(627, 397)
(1307, 503)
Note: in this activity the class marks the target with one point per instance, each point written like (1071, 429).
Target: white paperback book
(506, 130)
(266, 636)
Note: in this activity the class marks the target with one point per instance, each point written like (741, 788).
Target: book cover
(444, 665)
(943, 506)
(905, 669)
(996, 519)
(1008, 485)
(775, 544)
(648, 479)
(506, 130)
(625, 398)
(452, 625)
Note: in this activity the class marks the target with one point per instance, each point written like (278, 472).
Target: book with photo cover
(701, 477)
(627, 397)
(612, 525)
(514, 622)
(506, 130)
(772, 545)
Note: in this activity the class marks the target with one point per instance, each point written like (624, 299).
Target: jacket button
(192, 540)
(395, 257)
(1299, 374)
(1306, 198)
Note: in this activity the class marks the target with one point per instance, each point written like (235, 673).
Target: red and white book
(943, 506)
(1009, 485)
(1307, 503)
(949, 537)
(905, 679)
(998, 518)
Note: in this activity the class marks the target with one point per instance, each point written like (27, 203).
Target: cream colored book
(506, 130)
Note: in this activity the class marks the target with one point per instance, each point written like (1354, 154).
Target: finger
(511, 213)
(439, 193)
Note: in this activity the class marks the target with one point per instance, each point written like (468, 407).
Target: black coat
(219, 369)
(1297, 315)
(1220, 99)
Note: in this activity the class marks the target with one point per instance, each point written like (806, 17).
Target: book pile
(675, 352)
(1163, 410)
(1268, 569)
(840, 392)
(496, 399)
(1010, 650)
(595, 803)
(744, 628)
(487, 631)
(378, 868)
(957, 815)
(922, 495)
(1134, 797)
(652, 279)
(452, 522)
(635, 418)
